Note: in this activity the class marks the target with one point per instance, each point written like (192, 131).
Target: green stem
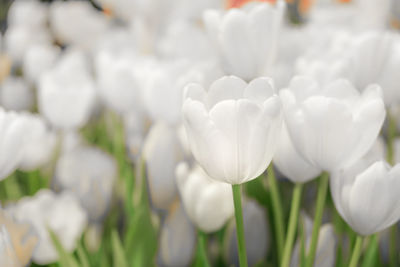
(277, 211)
(356, 252)
(239, 225)
(322, 192)
(291, 231)
(371, 254)
(390, 138)
(201, 248)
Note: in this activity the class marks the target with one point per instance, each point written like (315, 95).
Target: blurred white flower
(163, 88)
(374, 57)
(38, 59)
(39, 143)
(17, 242)
(326, 245)
(246, 39)
(77, 23)
(66, 93)
(208, 203)
(356, 15)
(332, 126)
(368, 200)
(177, 239)
(18, 39)
(290, 163)
(162, 152)
(13, 128)
(89, 174)
(185, 40)
(255, 232)
(135, 126)
(7, 254)
(117, 84)
(233, 128)
(30, 14)
(46, 211)
(16, 94)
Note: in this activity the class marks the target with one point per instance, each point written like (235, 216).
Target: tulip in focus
(233, 127)
(335, 125)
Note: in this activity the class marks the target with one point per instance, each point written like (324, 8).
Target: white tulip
(177, 239)
(332, 126)
(61, 213)
(256, 235)
(187, 41)
(13, 129)
(117, 84)
(89, 174)
(163, 89)
(326, 245)
(162, 152)
(78, 23)
(18, 39)
(66, 93)
(246, 38)
(38, 59)
(16, 94)
(39, 143)
(31, 13)
(208, 203)
(233, 128)
(290, 163)
(8, 255)
(368, 200)
(17, 242)
(375, 58)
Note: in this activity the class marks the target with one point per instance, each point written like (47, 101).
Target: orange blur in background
(304, 5)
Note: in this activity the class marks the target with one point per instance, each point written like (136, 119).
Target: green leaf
(118, 251)
(65, 259)
(83, 259)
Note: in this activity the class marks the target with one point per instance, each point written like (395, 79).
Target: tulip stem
(277, 210)
(201, 243)
(322, 192)
(291, 231)
(356, 252)
(237, 200)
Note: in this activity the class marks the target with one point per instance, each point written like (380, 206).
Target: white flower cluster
(207, 94)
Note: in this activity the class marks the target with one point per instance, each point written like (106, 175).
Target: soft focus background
(95, 166)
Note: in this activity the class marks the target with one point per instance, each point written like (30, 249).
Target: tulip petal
(225, 88)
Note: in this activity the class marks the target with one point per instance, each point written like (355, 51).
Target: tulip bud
(208, 203)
